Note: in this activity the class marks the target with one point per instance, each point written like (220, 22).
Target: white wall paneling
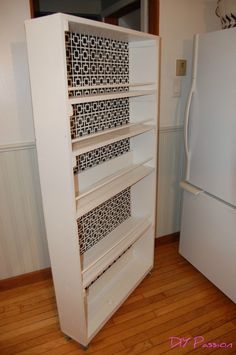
(23, 246)
(171, 154)
(15, 100)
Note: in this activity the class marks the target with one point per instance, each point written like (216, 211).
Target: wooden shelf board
(100, 256)
(95, 141)
(105, 192)
(119, 173)
(91, 87)
(126, 279)
(109, 96)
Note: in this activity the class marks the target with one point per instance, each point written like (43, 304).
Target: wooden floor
(174, 300)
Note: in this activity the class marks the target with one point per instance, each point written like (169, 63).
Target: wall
(23, 246)
(179, 21)
(15, 101)
(131, 20)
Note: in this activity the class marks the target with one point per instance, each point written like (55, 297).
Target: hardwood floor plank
(176, 318)
(118, 327)
(174, 300)
(48, 305)
(35, 341)
(183, 329)
(52, 313)
(32, 326)
(164, 305)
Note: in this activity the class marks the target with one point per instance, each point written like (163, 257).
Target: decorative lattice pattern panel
(101, 155)
(94, 61)
(92, 117)
(98, 223)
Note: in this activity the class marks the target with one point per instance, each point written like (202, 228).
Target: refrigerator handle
(186, 125)
(190, 188)
(187, 111)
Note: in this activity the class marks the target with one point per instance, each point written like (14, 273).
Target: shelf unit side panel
(46, 53)
(143, 198)
(143, 61)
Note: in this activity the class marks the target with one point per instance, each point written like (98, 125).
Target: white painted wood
(92, 176)
(23, 245)
(171, 169)
(143, 147)
(45, 41)
(143, 197)
(95, 141)
(114, 286)
(101, 97)
(83, 311)
(106, 30)
(112, 177)
(113, 129)
(208, 240)
(139, 51)
(99, 257)
(97, 196)
(115, 86)
(142, 108)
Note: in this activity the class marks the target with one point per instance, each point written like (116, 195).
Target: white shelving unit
(94, 93)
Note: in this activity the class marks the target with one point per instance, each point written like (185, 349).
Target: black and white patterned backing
(96, 61)
(98, 223)
(100, 155)
(113, 262)
(96, 116)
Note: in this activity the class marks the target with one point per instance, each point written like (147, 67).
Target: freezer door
(208, 239)
(212, 118)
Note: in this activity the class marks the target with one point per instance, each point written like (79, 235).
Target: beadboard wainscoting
(171, 165)
(23, 246)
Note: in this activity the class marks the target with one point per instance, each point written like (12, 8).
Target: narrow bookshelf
(95, 114)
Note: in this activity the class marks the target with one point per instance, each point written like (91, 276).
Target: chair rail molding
(8, 147)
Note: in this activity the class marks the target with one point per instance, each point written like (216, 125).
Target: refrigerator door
(208, 239)
(212, 118)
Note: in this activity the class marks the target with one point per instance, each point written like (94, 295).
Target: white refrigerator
(208, 227)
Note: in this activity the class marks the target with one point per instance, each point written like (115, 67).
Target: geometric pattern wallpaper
(94, 61)
(97, 116)
(101, 155)
(99, 222)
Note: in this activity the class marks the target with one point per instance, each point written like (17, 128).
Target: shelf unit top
(97, 140)
(96, 28)
(100, 256)
(91, 27)
(96, 197)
